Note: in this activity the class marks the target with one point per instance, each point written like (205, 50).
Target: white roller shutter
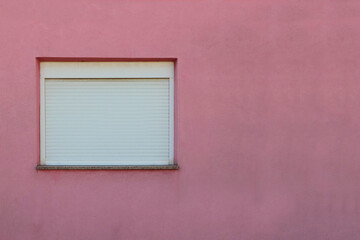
(107, 121)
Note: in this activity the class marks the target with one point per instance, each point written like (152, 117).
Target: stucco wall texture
(267, 120)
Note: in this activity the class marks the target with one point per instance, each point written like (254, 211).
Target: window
(107, 113)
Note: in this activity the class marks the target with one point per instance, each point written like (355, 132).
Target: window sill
(107, 167)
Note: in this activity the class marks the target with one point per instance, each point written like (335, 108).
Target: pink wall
(268, 120)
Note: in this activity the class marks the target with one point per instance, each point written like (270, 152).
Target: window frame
(93, 70)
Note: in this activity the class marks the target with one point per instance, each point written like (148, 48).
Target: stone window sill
(107, 167)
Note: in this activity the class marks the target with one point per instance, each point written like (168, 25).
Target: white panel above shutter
(107, 121)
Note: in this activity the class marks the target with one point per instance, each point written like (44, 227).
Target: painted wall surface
(267, 120)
